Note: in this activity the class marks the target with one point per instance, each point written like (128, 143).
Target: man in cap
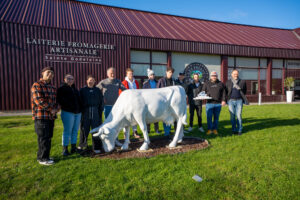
(216, 90)
(44, 109)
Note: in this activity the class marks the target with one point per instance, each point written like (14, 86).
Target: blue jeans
(107, 110)
(71, 122)
(235, 108)
(167, 129)
(213, 110)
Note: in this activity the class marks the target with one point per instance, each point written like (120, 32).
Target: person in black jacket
(69, 100)
(167, 81)
(192, 91)
(181, 81)
(92, 108)
(215, 89)
(236, 90)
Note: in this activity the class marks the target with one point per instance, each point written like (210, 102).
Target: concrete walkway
(15, 113)
(28, 112)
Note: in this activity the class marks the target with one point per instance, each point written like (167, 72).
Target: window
(277, 66)
(140, 61)
(245, 74)
(140, 69)
(140, 56)
(293, 64)
(248, 74)
(247, 62)
(247, 67)
(276, 73)
(263, 74)
(254, 87)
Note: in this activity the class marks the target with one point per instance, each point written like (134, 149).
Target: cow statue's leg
(181, 134)
(118, 143)
(143, 127)
(127, 141)
(177, 134)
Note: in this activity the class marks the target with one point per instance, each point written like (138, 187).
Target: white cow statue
(142, 107)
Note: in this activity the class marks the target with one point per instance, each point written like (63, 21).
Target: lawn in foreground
(263, 163)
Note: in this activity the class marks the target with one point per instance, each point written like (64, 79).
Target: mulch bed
(157, 146)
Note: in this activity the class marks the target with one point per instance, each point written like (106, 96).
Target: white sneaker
(190, 129)
(201, 129)
(50, 161)
(46, 162)
(97, 151)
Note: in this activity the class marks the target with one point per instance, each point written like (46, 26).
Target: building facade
(83, 38)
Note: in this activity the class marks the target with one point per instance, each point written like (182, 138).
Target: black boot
(73, 148)
(65, 151)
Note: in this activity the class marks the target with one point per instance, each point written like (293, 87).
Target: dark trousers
(44, 131)
(85, 127)
(198, 109)
(155, 127)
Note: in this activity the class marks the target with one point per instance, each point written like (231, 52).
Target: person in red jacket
(131, 83)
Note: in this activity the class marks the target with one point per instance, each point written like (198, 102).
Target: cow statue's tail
(184, 118)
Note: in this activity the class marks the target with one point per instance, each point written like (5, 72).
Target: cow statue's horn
(97, 134)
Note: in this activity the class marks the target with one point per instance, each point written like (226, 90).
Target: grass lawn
(263, 163)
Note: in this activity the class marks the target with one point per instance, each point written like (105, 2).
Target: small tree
(289, 82)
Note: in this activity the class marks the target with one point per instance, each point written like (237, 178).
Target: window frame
(151, 64)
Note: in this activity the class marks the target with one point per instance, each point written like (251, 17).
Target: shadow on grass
(15, 124)
(249, 124)
(58, 159)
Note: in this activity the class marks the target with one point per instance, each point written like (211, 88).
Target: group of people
(232, 92)
(82, 109)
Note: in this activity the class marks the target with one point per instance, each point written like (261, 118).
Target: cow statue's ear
(106, 131)
(99, 133)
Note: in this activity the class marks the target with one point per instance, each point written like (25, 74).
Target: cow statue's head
(107, 137)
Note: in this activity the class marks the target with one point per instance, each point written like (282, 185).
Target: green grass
(263, 163)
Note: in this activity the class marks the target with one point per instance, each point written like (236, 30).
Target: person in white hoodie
(131, 83)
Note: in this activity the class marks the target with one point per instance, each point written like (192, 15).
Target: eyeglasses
(70, 79)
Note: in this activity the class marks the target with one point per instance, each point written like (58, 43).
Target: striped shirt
(43, 100)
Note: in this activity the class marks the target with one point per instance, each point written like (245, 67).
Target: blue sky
(269, 13)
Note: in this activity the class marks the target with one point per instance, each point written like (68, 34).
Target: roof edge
(69, 29)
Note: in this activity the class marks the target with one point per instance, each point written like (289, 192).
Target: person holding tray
(216, 90)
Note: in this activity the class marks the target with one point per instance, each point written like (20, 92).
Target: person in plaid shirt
(44, 109)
